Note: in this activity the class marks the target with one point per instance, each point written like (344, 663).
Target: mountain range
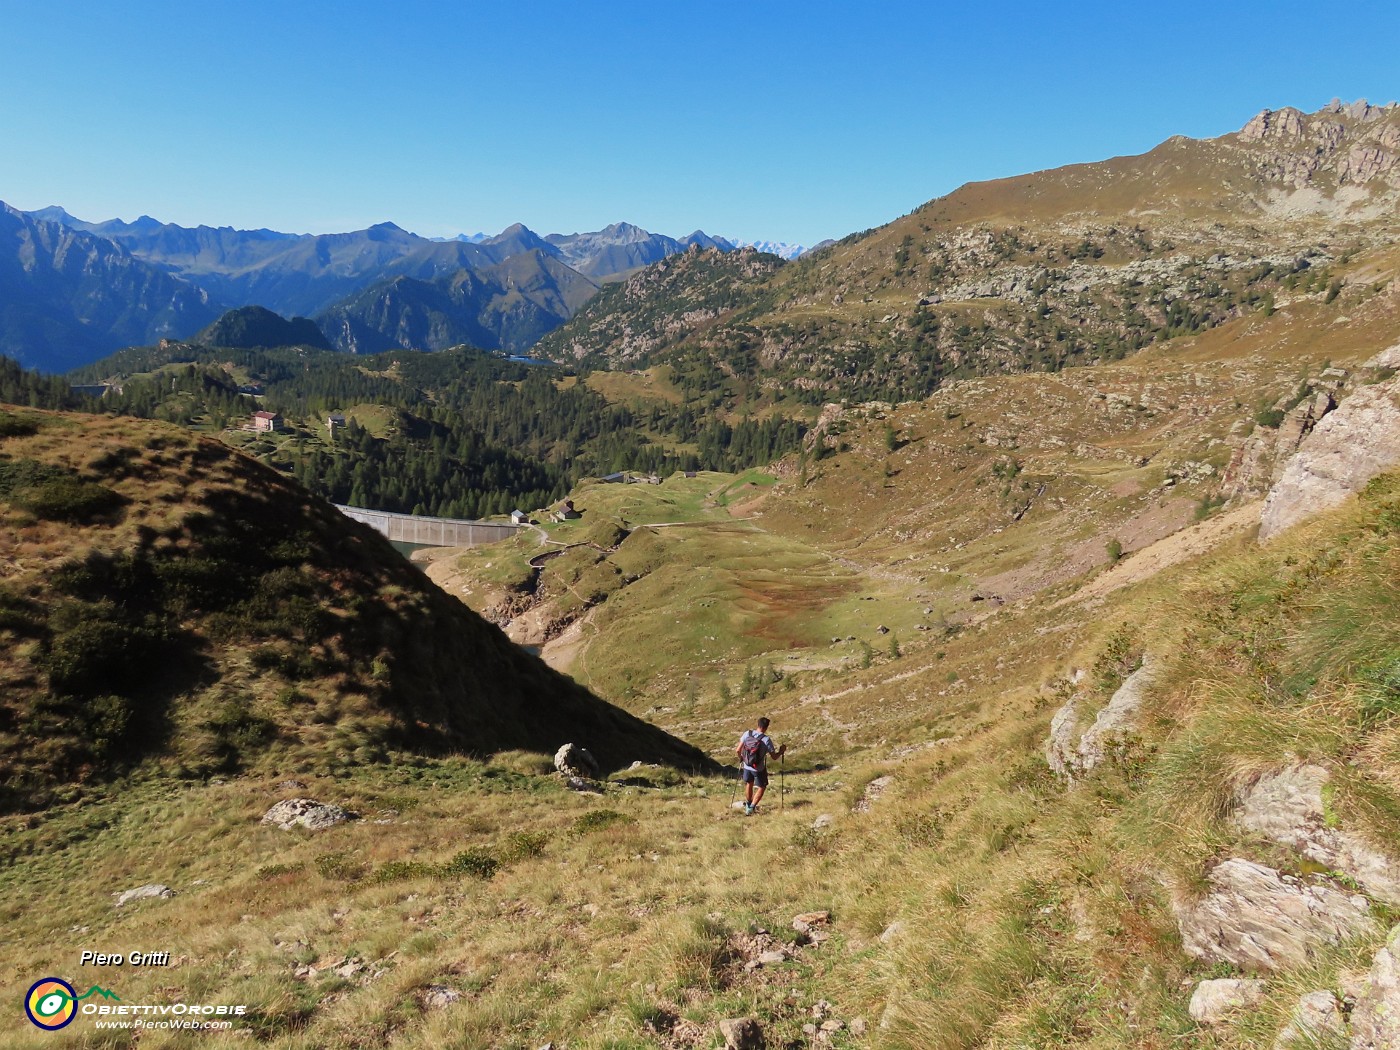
(1080, 264)
(146, 280)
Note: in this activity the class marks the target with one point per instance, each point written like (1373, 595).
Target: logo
(52, 1003)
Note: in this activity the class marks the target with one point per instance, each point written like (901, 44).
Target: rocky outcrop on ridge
(1346, 449)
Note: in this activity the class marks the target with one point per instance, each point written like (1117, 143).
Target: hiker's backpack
(751, 750)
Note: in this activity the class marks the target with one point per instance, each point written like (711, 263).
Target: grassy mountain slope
(1081, 264)
(973, 899)
(167, 601)
(925, 516)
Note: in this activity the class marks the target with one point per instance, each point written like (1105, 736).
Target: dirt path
(1174, 549)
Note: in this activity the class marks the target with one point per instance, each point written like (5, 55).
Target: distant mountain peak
(55, 213)
(782, 249)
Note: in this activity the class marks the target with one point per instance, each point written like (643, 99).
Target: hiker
(754, 748)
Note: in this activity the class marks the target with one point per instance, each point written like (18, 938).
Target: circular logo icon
(51, 1003)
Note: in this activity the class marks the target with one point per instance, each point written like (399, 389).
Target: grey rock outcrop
(306, 813)
(574, 761)
(1375, 1020)
(1071, 753)
(741, 1033)
(1349, 447)
(1259, 460)
(1257, 918)
(1317, 1017)
(1213, 1002)
(439, 996)
(151, 889)
(1287, 807)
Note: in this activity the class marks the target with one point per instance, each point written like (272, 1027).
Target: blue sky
(779, 120)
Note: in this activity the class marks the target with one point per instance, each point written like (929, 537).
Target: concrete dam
(431, 532)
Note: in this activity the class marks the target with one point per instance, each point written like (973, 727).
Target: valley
(1052, 524)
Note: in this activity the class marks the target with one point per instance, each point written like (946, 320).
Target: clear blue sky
(787, 121)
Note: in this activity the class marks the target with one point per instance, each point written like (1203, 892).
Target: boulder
(1287, 807)
(892, 932)
(575, 761)
(1317, 1017)
(1375, 1020)
(306, 813)
(1214, 1001)
(1071, 758)
(1346, 449)
(741, 1033)
(1257, 918)
(151, 889)
(438, 996)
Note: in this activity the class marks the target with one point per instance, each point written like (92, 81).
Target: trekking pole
(782, 779)
(734, 795)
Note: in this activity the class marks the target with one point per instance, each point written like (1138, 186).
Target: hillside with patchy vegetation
(170, 605)
(1039, 272)
(1075, 603)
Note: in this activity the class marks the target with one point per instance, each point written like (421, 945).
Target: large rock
(1071, 757)
(741, 1033)
(1214, 1001)
(1257, 918)
(1317, 1018)
(305, 813)
(1258, 462)
(151, 889)
(1375, 1020)
(1346, 449)
(1287, 807)
(575, 761)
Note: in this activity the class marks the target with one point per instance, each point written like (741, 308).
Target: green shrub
(1114, 548)
(398, 870)
(1269, 417)
(523, 844)
(66, 499)
(471, 863)
(269, 872)
(599, 819)
(339, 867)
(12, 425)
(96, 654)
(921, 829)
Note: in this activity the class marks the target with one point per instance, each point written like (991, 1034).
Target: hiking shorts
(757, 777)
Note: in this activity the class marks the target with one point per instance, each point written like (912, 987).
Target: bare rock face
(1375, 1020)
(1270, 125)
(1317, 1017)
(575, 761)
(1259, 460)
(1257, 918)
(1345, 450)
(306, 813)
(1214, 1001)
(1072, 758)
(1287, 807)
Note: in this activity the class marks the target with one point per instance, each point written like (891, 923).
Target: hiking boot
(748, 809)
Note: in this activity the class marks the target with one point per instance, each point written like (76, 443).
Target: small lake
(407, 549)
